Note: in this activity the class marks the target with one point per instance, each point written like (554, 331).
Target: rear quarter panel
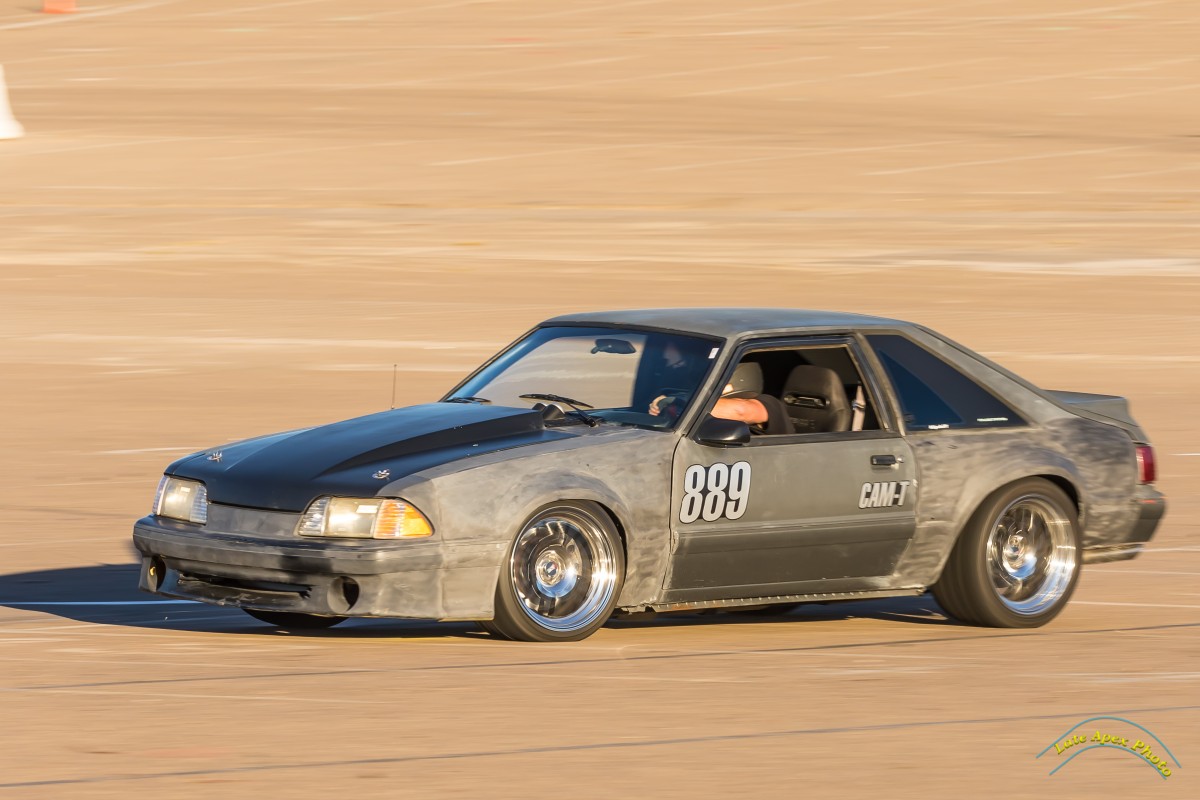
(959, 469)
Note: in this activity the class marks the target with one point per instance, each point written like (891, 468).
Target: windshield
(635, 377)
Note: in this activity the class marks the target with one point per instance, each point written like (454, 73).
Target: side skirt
(785, 598)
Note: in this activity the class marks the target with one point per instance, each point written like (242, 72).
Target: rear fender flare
(982, 485)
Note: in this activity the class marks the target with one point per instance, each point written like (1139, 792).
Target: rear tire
(1016, 564)
(562, 577)
(291, 621)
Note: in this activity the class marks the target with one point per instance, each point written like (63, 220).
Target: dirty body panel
(801, 520)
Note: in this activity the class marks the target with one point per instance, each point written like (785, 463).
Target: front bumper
(356, 578)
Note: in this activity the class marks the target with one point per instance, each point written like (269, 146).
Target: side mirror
(723, 432)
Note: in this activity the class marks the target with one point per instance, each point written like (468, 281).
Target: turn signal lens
(1147, 466)
(398, 520)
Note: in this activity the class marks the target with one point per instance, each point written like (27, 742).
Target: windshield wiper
(468, 399)
(577, 405)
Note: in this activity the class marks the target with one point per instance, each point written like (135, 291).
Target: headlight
(363, 518)
(181, 499)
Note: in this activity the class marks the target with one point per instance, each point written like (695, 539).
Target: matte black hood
(287, 471)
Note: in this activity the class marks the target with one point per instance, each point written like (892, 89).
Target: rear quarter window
(933, 394)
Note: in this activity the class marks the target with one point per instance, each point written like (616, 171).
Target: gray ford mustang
(594, 466)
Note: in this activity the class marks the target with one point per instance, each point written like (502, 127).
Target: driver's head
(747, 381)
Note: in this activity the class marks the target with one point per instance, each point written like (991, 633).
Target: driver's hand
(666, 405)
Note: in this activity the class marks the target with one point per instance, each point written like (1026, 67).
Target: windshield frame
(698, 397)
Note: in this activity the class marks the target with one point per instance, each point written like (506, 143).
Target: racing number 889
(721, 490)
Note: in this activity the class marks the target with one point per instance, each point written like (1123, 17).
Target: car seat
(816, 400)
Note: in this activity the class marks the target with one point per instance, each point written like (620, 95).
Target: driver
(742, 400)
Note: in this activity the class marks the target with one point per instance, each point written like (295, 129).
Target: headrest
(811, 387)
(747, 381)
(816, 400)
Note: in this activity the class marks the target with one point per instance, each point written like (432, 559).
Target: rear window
(933, 394)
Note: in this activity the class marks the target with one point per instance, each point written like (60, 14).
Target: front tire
(291, 621)
(564, 571)
(1016, 563)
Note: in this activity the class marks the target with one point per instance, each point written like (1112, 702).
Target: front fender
(486, 500)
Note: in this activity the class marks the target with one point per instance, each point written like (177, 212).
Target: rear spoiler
(1102, 408)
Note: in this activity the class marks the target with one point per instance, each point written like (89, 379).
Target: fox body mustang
(594, 467)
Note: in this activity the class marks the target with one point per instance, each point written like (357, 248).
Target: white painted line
(1171, 170)
(192, 696)
(1080, 13)
(468, 76)
(412, 11)
(538, 154)
(1009, 160)
(97, 483)
(749, 12)
(609, 675)
(1185, 454)
(804, 153)
(1133, 605)
(603, 7)
(122, 143)
(85, 15)
(227, 12)
(1043, 77)
(326, 148)
(1096, 356)
(265, 342)
(1149, 91)
(1109, 677)
(42, 543)
(920, 68)
(642, 77)
(101, 603)
(1117, 570)
(753, 88)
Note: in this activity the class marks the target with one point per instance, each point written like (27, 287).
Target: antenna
(394, 369)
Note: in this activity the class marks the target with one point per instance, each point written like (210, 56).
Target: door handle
(886, 460)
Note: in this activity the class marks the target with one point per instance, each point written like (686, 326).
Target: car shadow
(921, 610)
(107, 594)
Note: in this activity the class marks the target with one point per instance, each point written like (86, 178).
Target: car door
(824, 511)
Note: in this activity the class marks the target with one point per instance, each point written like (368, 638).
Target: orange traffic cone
(9, 127)
(58, 6)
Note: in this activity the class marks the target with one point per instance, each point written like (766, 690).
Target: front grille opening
(269, 587)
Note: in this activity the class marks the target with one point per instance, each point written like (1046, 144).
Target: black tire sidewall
(510, 619)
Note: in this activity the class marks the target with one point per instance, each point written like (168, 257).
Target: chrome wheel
(563, 570)
(1016, 562)
(1031, 555)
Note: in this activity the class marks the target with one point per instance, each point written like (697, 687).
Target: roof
(730, 323)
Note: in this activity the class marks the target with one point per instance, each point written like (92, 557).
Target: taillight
(1147, 469)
